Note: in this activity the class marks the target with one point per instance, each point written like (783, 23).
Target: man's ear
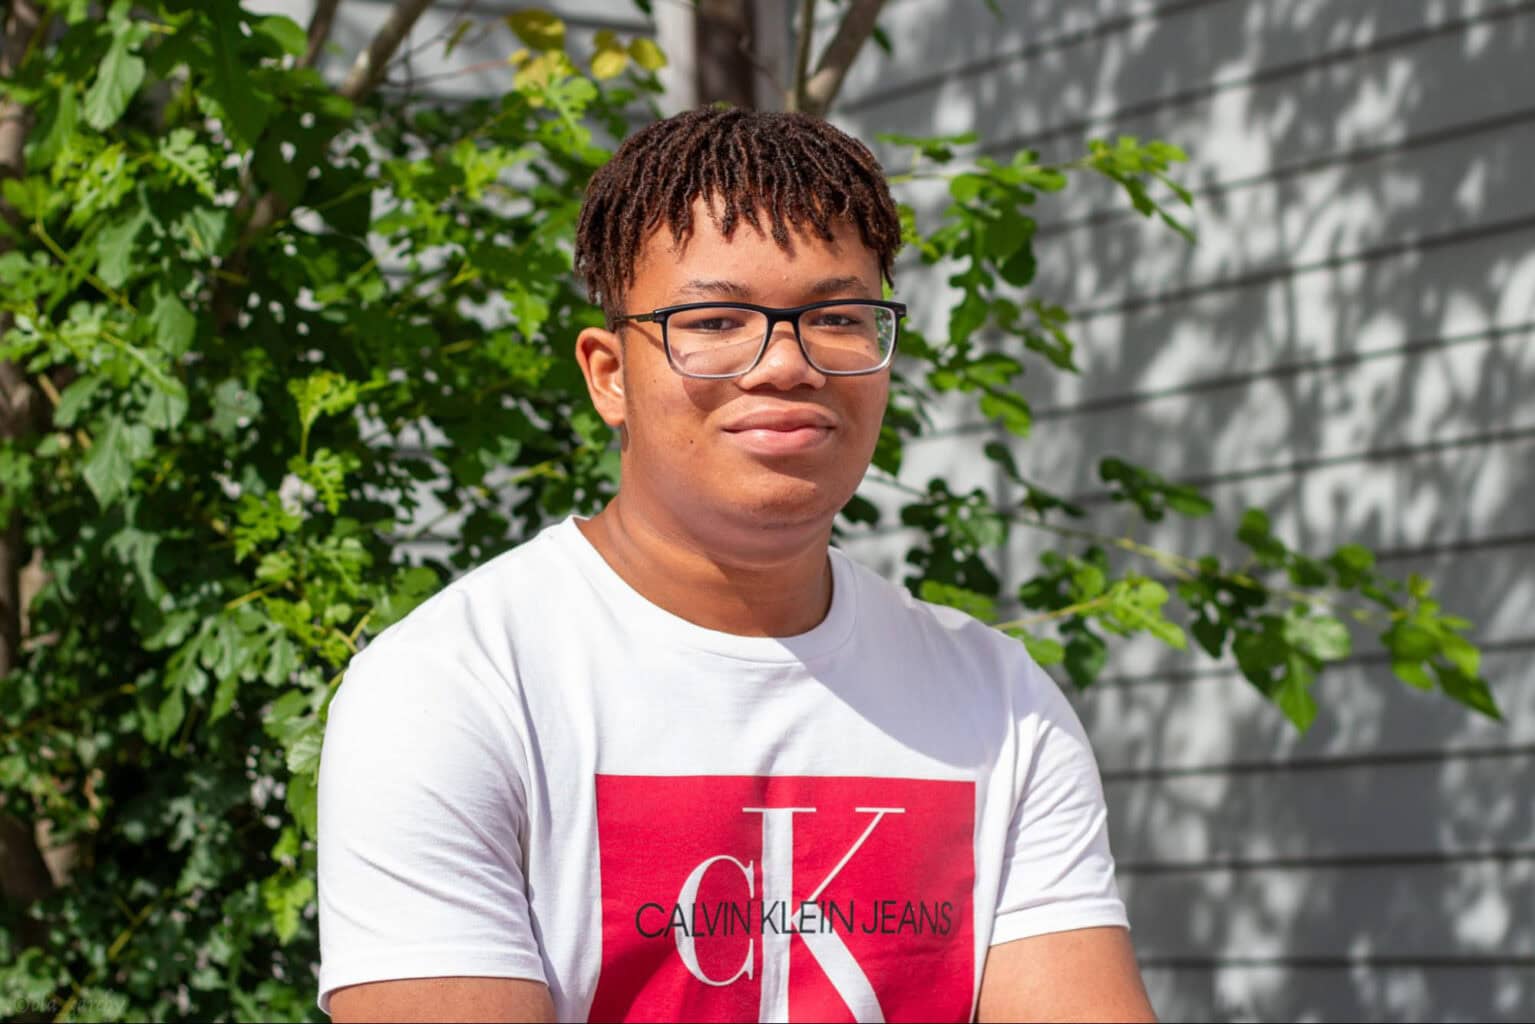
(601, 355)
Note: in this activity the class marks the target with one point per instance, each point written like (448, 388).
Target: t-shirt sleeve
(1057, 872)
(421, 827)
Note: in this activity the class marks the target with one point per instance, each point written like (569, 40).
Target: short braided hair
(795, 171)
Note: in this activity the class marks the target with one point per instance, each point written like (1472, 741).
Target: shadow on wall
(1351, 346)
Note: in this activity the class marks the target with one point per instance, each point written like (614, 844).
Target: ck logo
(785, 898)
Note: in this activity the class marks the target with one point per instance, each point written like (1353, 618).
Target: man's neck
(775, 591)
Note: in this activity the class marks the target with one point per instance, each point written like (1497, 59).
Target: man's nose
(783, 364)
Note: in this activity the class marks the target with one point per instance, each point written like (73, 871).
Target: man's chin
(783, 502)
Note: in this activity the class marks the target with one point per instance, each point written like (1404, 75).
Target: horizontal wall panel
(1387, 911)
(1157, 725)
(1334, 213)
(1380, 410)
(1452, 293)
(1153, 51)
(1092, 202)
(1462, 806)
(1449, 289)
(978, 41)
(1242, 130)
(1391, 500)
(1349, 989)
(1427, 499)
(1476, 384)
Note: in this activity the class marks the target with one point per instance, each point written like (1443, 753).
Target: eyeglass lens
(724, 340)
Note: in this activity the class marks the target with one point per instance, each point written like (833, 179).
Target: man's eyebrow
(716, 289)
(850, 287)
(847, 286)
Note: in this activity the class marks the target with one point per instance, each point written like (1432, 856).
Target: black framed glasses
(718, 340)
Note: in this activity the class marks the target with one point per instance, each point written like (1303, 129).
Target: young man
(682, 761)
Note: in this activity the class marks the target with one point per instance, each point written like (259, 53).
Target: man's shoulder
(969, 652)
(460, 622)
(885, 605)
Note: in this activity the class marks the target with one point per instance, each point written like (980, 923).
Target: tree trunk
(725, 69)
(24, 875)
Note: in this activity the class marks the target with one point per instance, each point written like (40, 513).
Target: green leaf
(303, 757)
(324, 393)
(118, 77)
(115, 255)
(286, 895)
(1086, 654)
(1089, 581)
(303, 802)
(1254, 528)
(410, 588)
(75, 399)
(58, 117)
(1408, 641)
(108, 468)
(540, 30)
(1470, 690)
(17, 478)
(1009, 233)
(172, 324)
(1412, 673)
(240, 103)
(610, 57)
(1323, 637)
(234, 408)
(223, 697)
(1008, 409)
(937, 148)
(1043, 650)
(966, 187)
(1352, 562)
(1461, 653)
(288, 34)
(1019, 268)
(1210, 635)
(167, 403)
(1294, 694)
(968, 601)
(1188, 502)
(647, 54)
(861, 510)
(171, 713)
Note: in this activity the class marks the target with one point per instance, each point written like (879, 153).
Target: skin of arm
(1088, 974)
(444, 999)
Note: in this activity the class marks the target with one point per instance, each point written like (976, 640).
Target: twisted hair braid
(778, 172)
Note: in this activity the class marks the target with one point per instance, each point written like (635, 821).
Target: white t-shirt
(540, 774)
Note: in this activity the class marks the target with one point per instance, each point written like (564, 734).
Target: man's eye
(712, 323)
(836, 320)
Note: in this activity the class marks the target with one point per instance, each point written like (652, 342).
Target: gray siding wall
(1350, 346)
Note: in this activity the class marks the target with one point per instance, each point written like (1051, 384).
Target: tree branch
(368, 70)
(797, 96)
(723, 31)
(319, 30)
(856, 27)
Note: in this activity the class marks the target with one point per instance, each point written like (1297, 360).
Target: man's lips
(781, 431)
(782, 419)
